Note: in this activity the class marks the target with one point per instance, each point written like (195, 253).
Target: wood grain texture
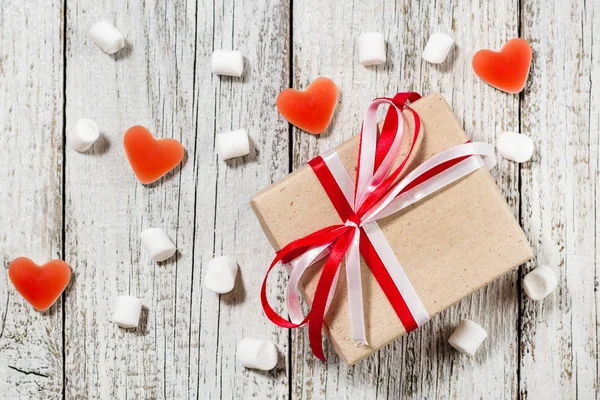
(185, 346)
(31, 162)
(559, 349)
(421, 365)
(225, 225)
(150, 83)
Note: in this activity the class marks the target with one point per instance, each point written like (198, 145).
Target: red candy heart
(151, 158)
(312, 109)
(507, 69)
(42, 285)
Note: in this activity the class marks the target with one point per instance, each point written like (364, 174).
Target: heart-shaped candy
(41, 285)
(507, 69)
(151, 158)
(310, 110)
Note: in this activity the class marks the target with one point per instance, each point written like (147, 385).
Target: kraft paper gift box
(450, 244)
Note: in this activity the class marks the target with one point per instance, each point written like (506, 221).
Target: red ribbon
(340, 236)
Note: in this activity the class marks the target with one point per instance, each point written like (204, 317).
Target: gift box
(449, 244)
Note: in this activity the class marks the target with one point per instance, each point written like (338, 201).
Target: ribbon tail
(393, 280)
(332, 291)
(298, 267)
(355, 296)
(317, 312)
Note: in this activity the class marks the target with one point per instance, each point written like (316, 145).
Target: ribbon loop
(377, 194)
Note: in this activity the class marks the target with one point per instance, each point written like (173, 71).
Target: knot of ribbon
(352, 223)
(378, 193)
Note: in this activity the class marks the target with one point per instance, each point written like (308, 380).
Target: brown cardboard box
(450, 244)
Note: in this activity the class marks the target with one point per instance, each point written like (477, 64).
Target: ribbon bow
(378, 193)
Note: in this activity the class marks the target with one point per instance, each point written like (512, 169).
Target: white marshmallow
(220, 275)
(257, 354)
(107, 37)
(467, 337)
(83, 136)
(515, 147)
(437, 48)
(227, 62)
(158, 244)
(126, 311)
(540, 282)
(371, 48)
(232, 144)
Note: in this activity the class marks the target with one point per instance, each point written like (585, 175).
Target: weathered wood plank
(151, 83)
(186, 347)
(559, 348)
(259, 29)
(421, 365)
(31, 157)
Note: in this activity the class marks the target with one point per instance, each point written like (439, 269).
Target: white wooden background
(89, 208)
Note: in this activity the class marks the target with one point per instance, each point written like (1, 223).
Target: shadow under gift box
(450, 244)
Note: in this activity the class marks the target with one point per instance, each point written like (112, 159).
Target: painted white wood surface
(31, 168)
(225, 224)
(187, 342)
(148, 83)
(185, 347)
(559, 191)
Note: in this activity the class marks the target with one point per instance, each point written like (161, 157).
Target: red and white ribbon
(378, 193)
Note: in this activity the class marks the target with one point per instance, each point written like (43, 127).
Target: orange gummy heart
(151, 158)
(507, 69)
(41, 285)
(312, 109)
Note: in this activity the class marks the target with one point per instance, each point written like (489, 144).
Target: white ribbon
(369, 179)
